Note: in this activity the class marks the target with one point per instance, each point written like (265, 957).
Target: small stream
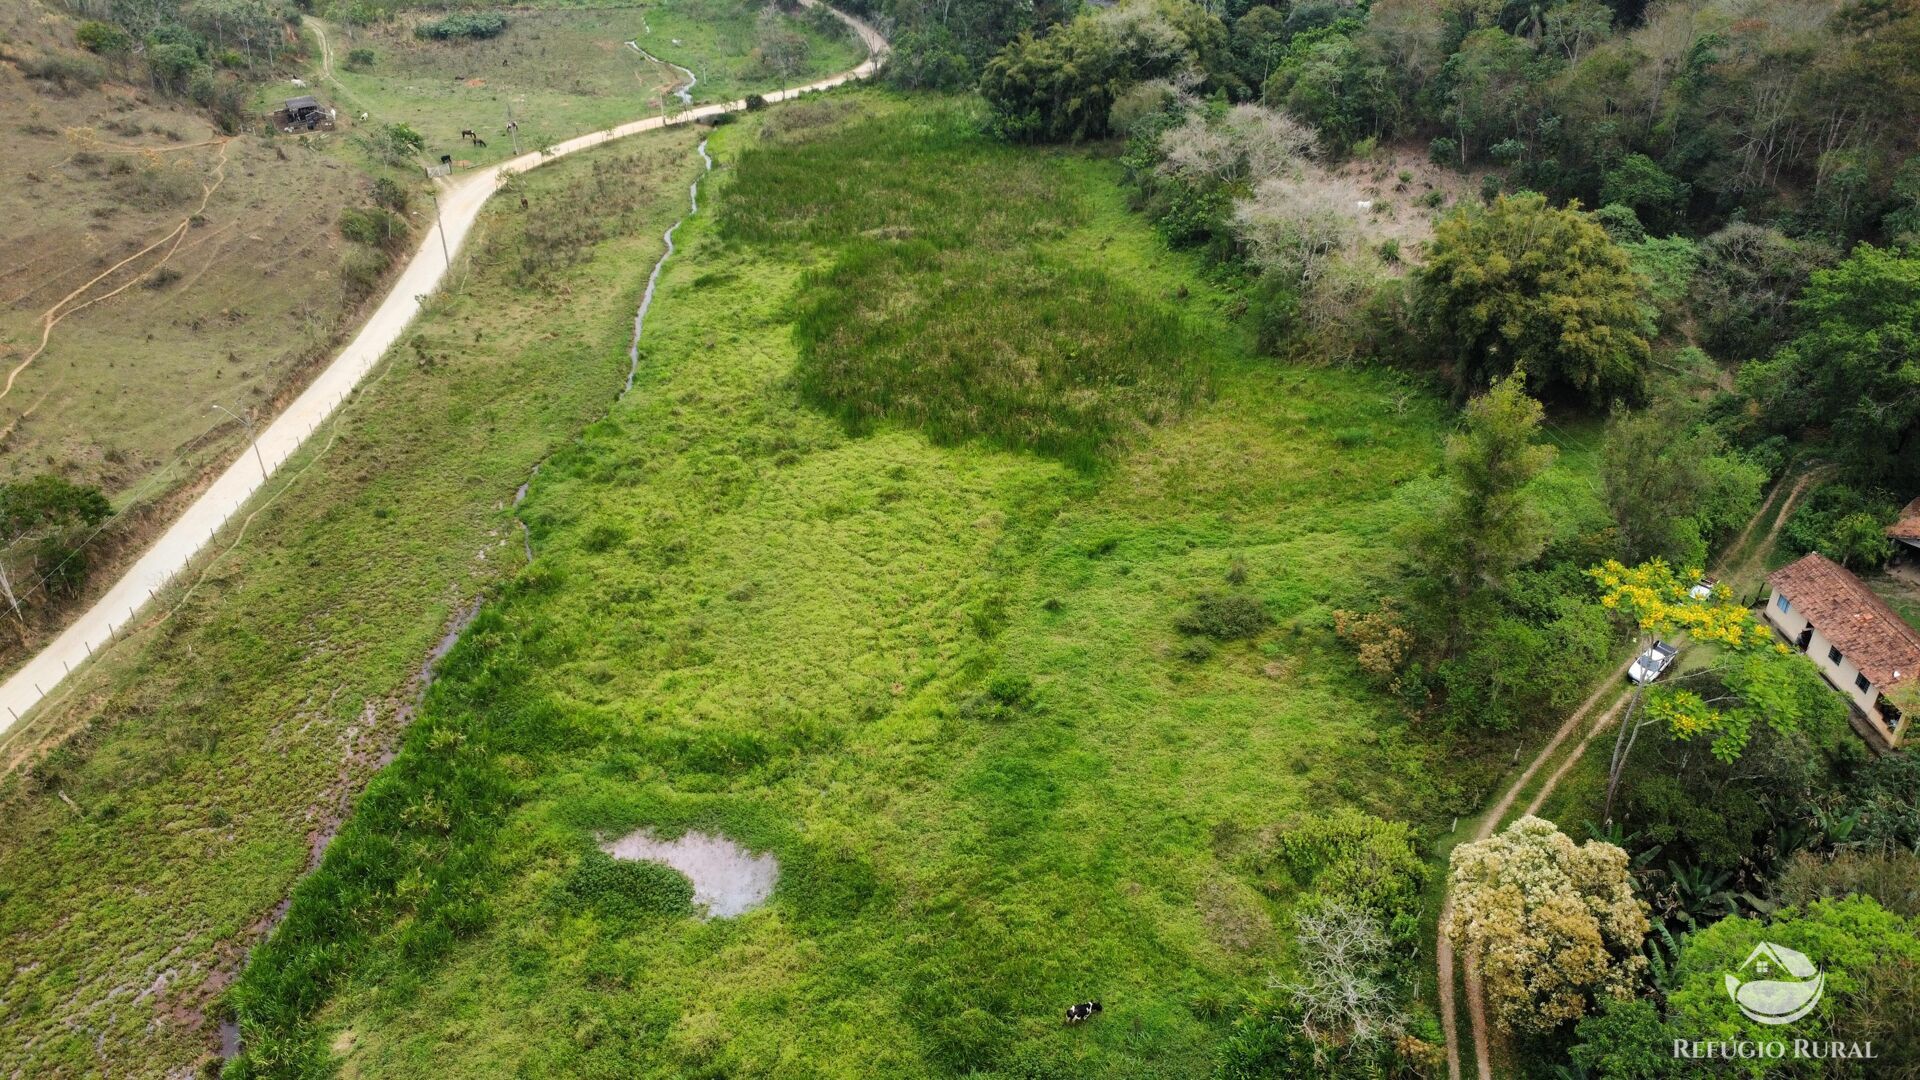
(653, 279)
(685, 90)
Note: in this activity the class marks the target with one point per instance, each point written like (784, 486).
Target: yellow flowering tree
(1756, 680)
(1552, 926)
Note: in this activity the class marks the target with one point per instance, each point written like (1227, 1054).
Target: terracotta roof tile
(1907, 525)
(1847, 613)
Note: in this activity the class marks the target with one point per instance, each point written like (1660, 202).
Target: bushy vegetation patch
(64, 73)
(1843, 523)
(374, 227)
(1224, 617)
(949, 309)
(1021, 348)
(1347, 857)
(465, 24)
(621, 889)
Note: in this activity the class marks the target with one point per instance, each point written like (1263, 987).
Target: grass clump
(950, 307)
(620, 889)
(66, 74)
(1025, 351)
(1224, 617)
(374, 227)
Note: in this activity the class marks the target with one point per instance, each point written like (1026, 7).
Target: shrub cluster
(1224, 617)
(465, 24)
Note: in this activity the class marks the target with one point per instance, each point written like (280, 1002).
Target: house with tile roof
(1905, 530)
(1859, 644)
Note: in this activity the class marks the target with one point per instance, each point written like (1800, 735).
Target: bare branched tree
(1199, 151)
(1343, 999)
(1292, 228)
(1271, 143)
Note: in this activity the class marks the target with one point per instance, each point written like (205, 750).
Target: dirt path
(1443, 949)
(73, 301)
(117, 612)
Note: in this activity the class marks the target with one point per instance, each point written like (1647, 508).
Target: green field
(560, 72)
(938, 678)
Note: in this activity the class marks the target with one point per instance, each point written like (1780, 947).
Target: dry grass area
(151, 268)
(1395, 194)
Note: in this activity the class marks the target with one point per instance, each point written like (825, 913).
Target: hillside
(154, 267)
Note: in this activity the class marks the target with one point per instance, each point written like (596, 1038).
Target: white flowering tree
(1553, 926)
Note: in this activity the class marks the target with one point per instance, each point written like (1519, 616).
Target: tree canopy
(1525, 286)
(1855, 367)
(1061, 85)
(1554, 925)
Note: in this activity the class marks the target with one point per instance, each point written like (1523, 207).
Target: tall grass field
(923, 597)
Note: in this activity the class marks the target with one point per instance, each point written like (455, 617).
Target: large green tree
(1855, 942)
(1673, 487)
(1522, 285)
(1869, 958)
(1490, 525)
(1062, 85)
(1855, 366)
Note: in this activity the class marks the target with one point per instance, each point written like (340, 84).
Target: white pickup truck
(1653, 663)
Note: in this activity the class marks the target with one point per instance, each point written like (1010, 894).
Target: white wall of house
(1842, 674)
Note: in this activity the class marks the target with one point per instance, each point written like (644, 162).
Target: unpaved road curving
(109, 618)
(1443, 949)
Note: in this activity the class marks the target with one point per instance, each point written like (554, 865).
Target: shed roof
(1907, 525)
(1847, 613)
(294, 105)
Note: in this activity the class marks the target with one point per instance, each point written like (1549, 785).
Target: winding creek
(685, 90)
(653, 279)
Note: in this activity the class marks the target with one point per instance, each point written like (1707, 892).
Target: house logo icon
(1776, 985)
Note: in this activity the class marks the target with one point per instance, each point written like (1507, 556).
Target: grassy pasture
(964, 308)
(560, 72)
(940, 679)
(210, 754)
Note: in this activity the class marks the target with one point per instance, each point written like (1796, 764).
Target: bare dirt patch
(1394, 194)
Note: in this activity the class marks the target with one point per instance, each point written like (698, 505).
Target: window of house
(1833, 655)
(1861, 682)
(1780, 602)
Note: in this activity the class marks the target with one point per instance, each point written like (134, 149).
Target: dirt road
(1737, 562)
(109, 619)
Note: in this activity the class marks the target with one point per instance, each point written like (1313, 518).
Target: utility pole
(251, 436)
(434, 191)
